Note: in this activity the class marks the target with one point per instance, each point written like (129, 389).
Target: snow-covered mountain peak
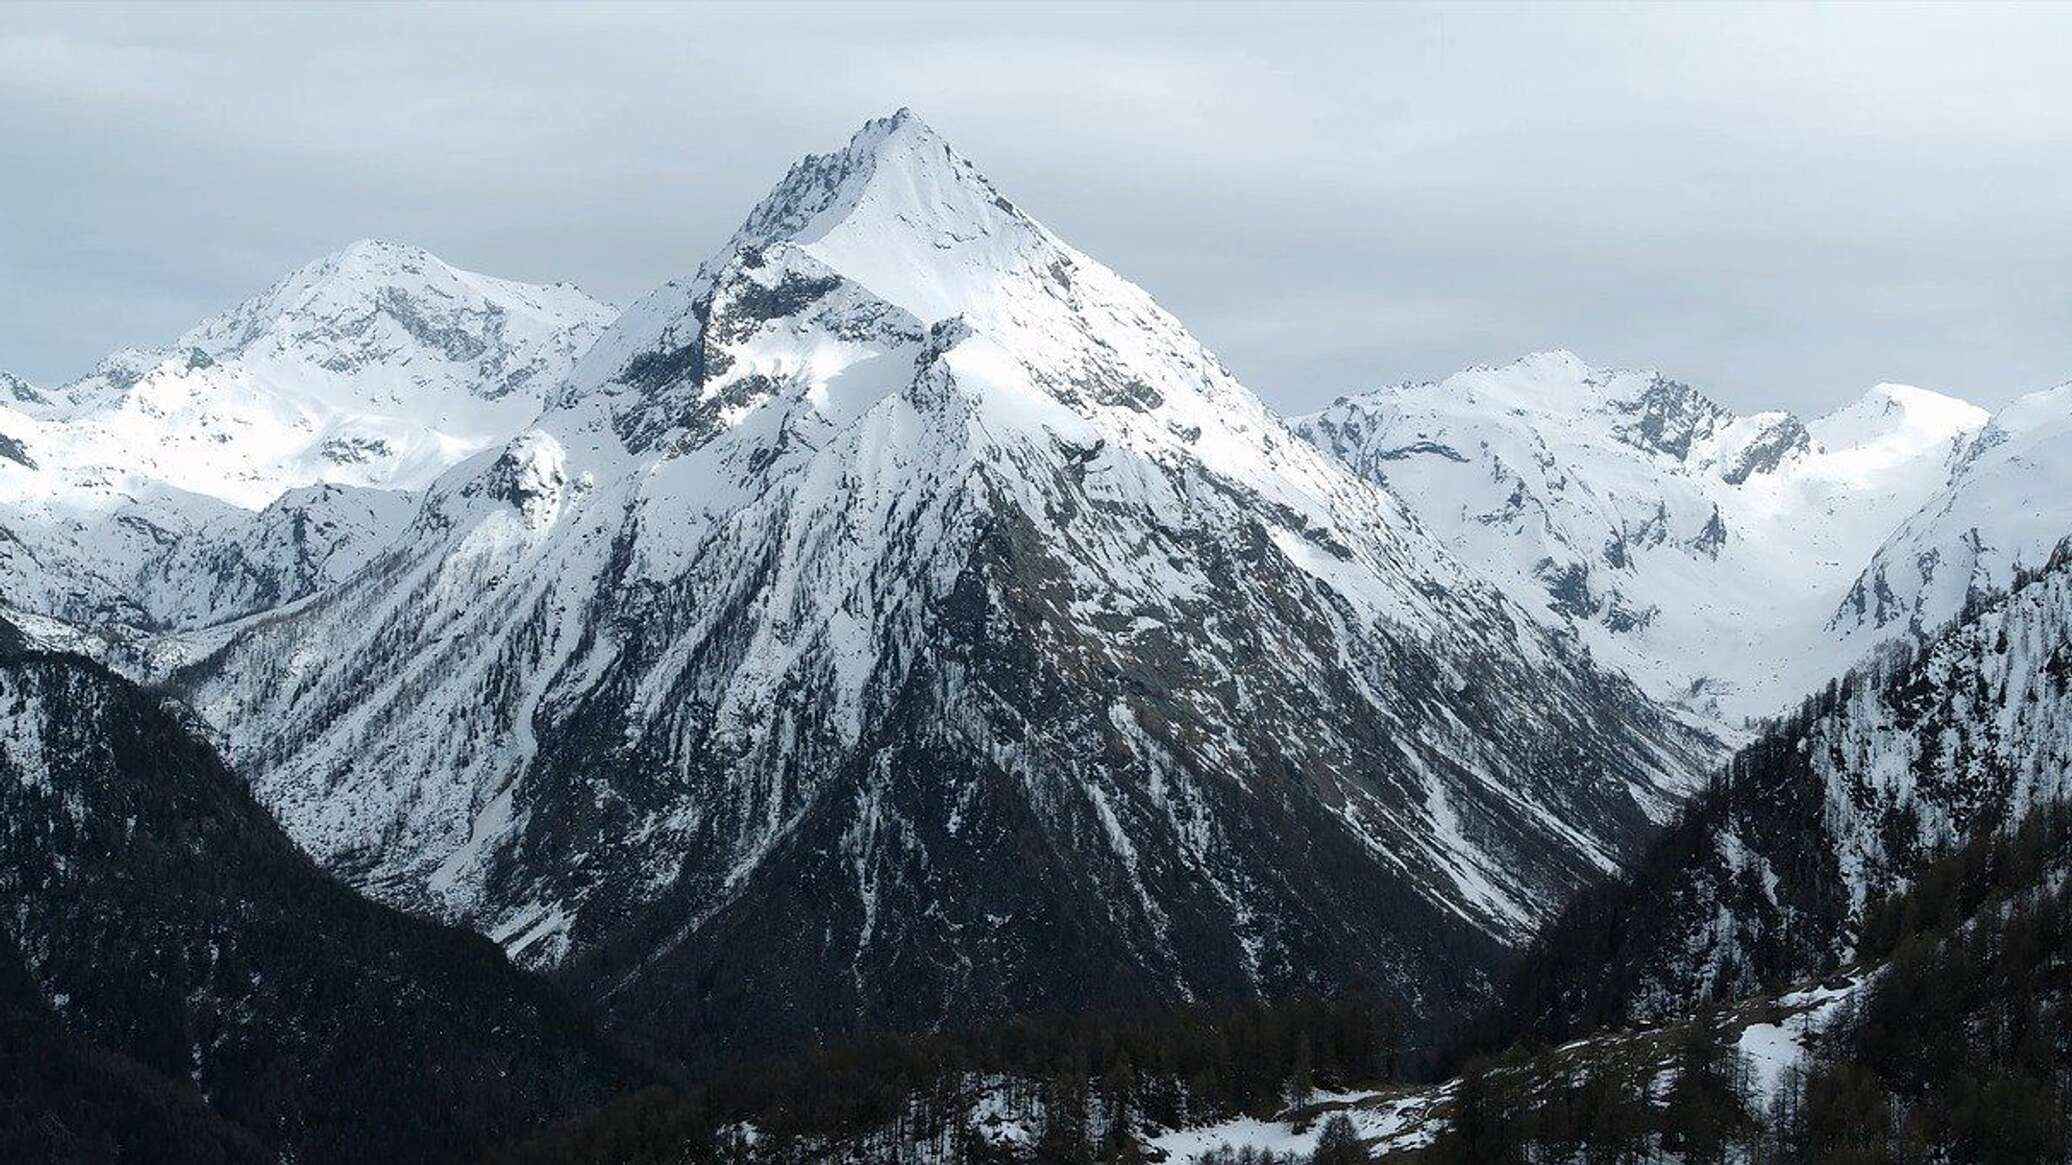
(896, 184)
(379, 365)
(154, 492)
(905, 215)
(1556, 369)
(2001, 509)
(872, 245)
(378, 307)
(1895, 424)
(1557, 384)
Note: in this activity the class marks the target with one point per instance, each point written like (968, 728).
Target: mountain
(376, 368)
(1767, 877)
(1699, 551)
(380, 366)
(15, 390)
(903, 620)
(2003, 509)
(237, 563)
(178, 981)
(67, 1099)
(1944, 1040)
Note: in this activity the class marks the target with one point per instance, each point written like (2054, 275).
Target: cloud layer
(1783, 205)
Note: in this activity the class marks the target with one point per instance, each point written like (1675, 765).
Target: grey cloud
(1782, 204)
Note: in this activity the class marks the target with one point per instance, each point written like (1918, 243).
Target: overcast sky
(1781, 205)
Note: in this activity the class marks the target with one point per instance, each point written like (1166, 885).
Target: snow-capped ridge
(2002, 509)
(1697, 548)
(1896, 424)
(377, 365)
(374, 300)
(16, 390)
(150, 493)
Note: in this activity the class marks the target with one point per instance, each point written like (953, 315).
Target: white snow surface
(1774, 1036)
(1773, 1049)
(1387, 1124)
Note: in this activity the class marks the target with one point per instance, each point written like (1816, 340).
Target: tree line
(1083, 1086)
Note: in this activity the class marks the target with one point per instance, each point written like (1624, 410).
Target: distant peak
(1553, 358)
(1918, 406)
(1897, 417)
(323, 298)
(374, 246)
(898, 119)
(377, 254)
(904, 141)
(1913, 396)
(1555, 365)
(900, 154)
(901, 122)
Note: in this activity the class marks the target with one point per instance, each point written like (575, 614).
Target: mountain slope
(1765, 879)
(1697, 550)
(127, 498)
(903, 620)
(15, 390)
(1946, 1036)
(152, 914)
(304, 541)
(2003, 509)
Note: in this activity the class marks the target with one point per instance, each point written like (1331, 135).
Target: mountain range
(901, 622)
(262, 454)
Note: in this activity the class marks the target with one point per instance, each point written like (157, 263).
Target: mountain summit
(903, 620)
(373, 310)
(905, 215)
(379, 365)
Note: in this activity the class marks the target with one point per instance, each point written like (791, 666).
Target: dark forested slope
(179, 972)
